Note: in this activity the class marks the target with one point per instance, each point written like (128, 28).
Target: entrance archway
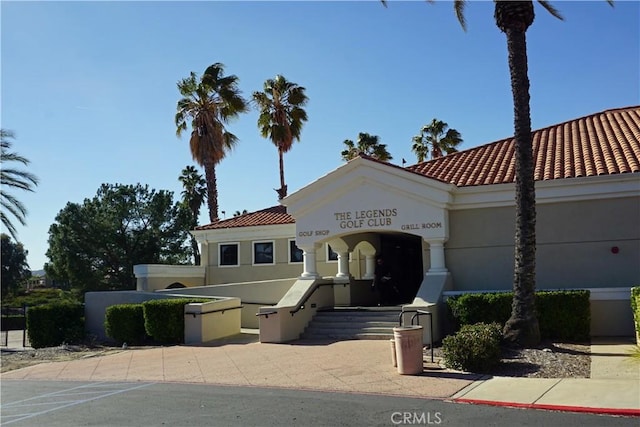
(403, 252)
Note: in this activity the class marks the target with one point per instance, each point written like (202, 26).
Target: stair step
(345, 337)
(351, 330)
(352, 325)
(348, 323)
(357, 319)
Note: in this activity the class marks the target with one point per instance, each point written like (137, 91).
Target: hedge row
(561, 314)
(161, 320)
(50, 325)
(635, 307)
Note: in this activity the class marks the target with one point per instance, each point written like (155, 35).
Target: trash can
(408, 344)
(394, 360)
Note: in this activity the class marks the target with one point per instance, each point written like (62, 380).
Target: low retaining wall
(253, 295)
(288, 319)
(213, 320)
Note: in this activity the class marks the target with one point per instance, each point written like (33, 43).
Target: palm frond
(552, 10)
(9, 226)
(458, 7)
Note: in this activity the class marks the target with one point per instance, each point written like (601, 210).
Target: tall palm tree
(435, 138)
(514, 18)
(13, 178)
(281, 117)
(193, 196)
(367, 144)
(209, 102)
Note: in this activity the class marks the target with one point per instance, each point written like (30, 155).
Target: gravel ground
(548, 360)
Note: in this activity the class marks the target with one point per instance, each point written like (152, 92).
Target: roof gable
(269, 216)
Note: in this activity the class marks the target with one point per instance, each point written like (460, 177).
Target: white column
(343, 265)
(309, 260)
(369, 267)
(436, 249)
(204, 254)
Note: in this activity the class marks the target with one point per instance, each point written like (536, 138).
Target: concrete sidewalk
(613, 387)
(359, 366)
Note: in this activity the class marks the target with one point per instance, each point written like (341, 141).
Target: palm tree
(13, 178)
(209, 103)
(435, 138)
(281, 117)
(193, 196)
(366, 144)
(514, 18)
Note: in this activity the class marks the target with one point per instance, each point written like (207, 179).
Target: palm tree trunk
(212, 190)
(282, 192)
(522, 328)
(196, 251)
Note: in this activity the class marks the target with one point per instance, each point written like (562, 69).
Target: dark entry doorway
(403, 252)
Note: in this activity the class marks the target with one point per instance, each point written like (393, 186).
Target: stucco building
(446, 225)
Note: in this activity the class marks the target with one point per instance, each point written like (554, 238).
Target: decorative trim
(595, 294)
(163, 270)
(552, 191)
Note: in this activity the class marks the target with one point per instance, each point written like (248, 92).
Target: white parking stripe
(60, 405)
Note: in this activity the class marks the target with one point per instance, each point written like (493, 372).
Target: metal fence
(13, 323)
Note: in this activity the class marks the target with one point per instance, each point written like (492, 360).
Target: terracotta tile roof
(599, 144)
(269, 216)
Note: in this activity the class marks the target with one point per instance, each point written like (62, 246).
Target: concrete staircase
(348, 323)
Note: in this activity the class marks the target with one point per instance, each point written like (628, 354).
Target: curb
(563, 408)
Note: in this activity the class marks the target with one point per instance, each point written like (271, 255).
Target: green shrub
(50, 325)
(635, 306)
(474, 348)
(164, 319)
(125, 323)
(561, 314)
(564, 315)
(469, 309)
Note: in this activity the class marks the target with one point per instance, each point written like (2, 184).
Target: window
(295, 253)
(228, 254)
(331, 255)
(263, 253)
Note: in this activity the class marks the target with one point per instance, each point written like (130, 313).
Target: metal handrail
(301, 305)
(417, 315)
(215, 311)
(267, 313)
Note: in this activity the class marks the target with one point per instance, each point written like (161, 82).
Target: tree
(13, 178)
(366, 144)
(15, 269)
(94, 245)
(281, 117)
(193, 196)
(435, 138)
(209, 103)
(514, 18)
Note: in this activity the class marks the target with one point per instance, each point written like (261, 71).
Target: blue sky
(89, 88)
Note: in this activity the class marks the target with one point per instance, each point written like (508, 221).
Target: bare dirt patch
(17, 359)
